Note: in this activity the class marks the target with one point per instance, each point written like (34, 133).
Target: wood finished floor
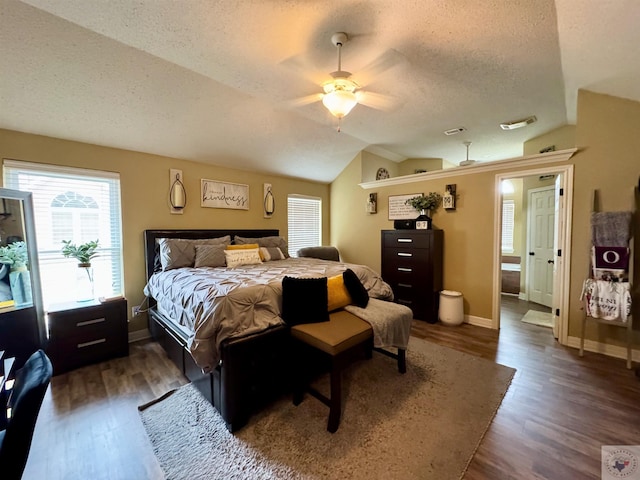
(558, 412)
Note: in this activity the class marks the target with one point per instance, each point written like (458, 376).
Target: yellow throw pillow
(338, 295)
(242, 247)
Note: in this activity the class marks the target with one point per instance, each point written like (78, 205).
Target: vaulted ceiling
(219, 82)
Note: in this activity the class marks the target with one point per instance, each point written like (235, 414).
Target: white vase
(423, 222)
(84, 283)
(20, 283)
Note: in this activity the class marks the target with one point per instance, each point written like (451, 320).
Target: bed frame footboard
(253, 370)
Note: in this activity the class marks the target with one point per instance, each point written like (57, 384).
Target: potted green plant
(16, 258)
(83, 253)
(15, 255)
(422, 203)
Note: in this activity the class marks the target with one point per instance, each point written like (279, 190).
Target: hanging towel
(607, 300)
(610, 263)
(611, 229)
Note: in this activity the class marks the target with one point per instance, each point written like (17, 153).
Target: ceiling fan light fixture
(339, 94)
(339, 102)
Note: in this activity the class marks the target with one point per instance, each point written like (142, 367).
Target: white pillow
(248, 256)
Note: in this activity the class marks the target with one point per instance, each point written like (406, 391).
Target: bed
(230, 341)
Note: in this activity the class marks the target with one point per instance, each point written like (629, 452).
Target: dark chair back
(30, 385)
(324, 253)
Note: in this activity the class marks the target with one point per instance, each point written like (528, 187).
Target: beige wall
(144, 181)
(608, 160)
(370, 163)
(561, 138)
(410, 165)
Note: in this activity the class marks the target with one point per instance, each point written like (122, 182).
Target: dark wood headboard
(151, 236)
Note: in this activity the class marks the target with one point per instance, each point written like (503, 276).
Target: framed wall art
(215, 194)
(399, 210)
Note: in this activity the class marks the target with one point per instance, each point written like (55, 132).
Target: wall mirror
(22, 328)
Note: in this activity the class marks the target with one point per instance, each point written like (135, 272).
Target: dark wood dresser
(412, 265)
(81, 333)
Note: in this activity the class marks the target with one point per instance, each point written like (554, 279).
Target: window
(78, 205)
(305, 222)
(508, 214)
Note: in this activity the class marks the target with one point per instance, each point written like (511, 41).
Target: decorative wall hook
(449, 197)
(372, 203)
(177, 192)
(269, 202)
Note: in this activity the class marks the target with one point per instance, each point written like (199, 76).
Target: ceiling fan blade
(376, 100)
(302, 101)
(301, 66)
(378, 66)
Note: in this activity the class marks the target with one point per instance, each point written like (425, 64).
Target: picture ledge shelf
(526, 161)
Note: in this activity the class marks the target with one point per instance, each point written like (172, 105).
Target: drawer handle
(90, 322)
(402, 254)
(403, 269)
(405, 302)
(405, 285)
(405, 240)
(94, 342)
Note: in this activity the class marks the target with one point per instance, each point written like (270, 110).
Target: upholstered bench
(338, 339)
(333, 318)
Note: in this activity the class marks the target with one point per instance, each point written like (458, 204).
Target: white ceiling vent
(518, 123)
(453, 131)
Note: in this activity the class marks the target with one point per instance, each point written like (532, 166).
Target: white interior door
(541, 238)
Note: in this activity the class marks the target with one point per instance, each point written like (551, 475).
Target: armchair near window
(30, 385)
(324, 253)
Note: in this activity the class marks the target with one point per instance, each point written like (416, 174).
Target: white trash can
(451, 311)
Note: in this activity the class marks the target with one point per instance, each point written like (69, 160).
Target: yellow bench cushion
(343, 331)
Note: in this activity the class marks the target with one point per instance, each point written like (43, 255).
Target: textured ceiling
(218, 81)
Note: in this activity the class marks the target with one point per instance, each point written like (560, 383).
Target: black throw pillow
(359, 294)
(304, 300)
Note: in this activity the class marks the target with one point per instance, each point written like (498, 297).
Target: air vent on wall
(518, 123)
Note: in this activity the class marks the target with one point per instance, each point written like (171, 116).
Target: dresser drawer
(70, 326)
(407, 239)
(405, 257)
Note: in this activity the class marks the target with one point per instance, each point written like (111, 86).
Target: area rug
(426, 423)
(544, 319)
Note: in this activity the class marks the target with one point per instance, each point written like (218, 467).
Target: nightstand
(81, 333)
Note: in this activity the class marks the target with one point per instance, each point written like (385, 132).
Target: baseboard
(615, 351)
(523, 296)
(138, 335)
(478, 321)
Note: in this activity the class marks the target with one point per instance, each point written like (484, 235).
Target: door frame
(561, 279)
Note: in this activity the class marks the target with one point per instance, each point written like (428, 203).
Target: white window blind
(304, 222)
(78, 205)
(508, 215)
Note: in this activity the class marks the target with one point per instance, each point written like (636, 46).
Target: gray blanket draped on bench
(391, 322)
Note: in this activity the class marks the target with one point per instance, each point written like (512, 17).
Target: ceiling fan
(342, 93)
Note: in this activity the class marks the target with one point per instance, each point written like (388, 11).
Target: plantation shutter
(78, 205)
(508, 214)
(304, 222)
